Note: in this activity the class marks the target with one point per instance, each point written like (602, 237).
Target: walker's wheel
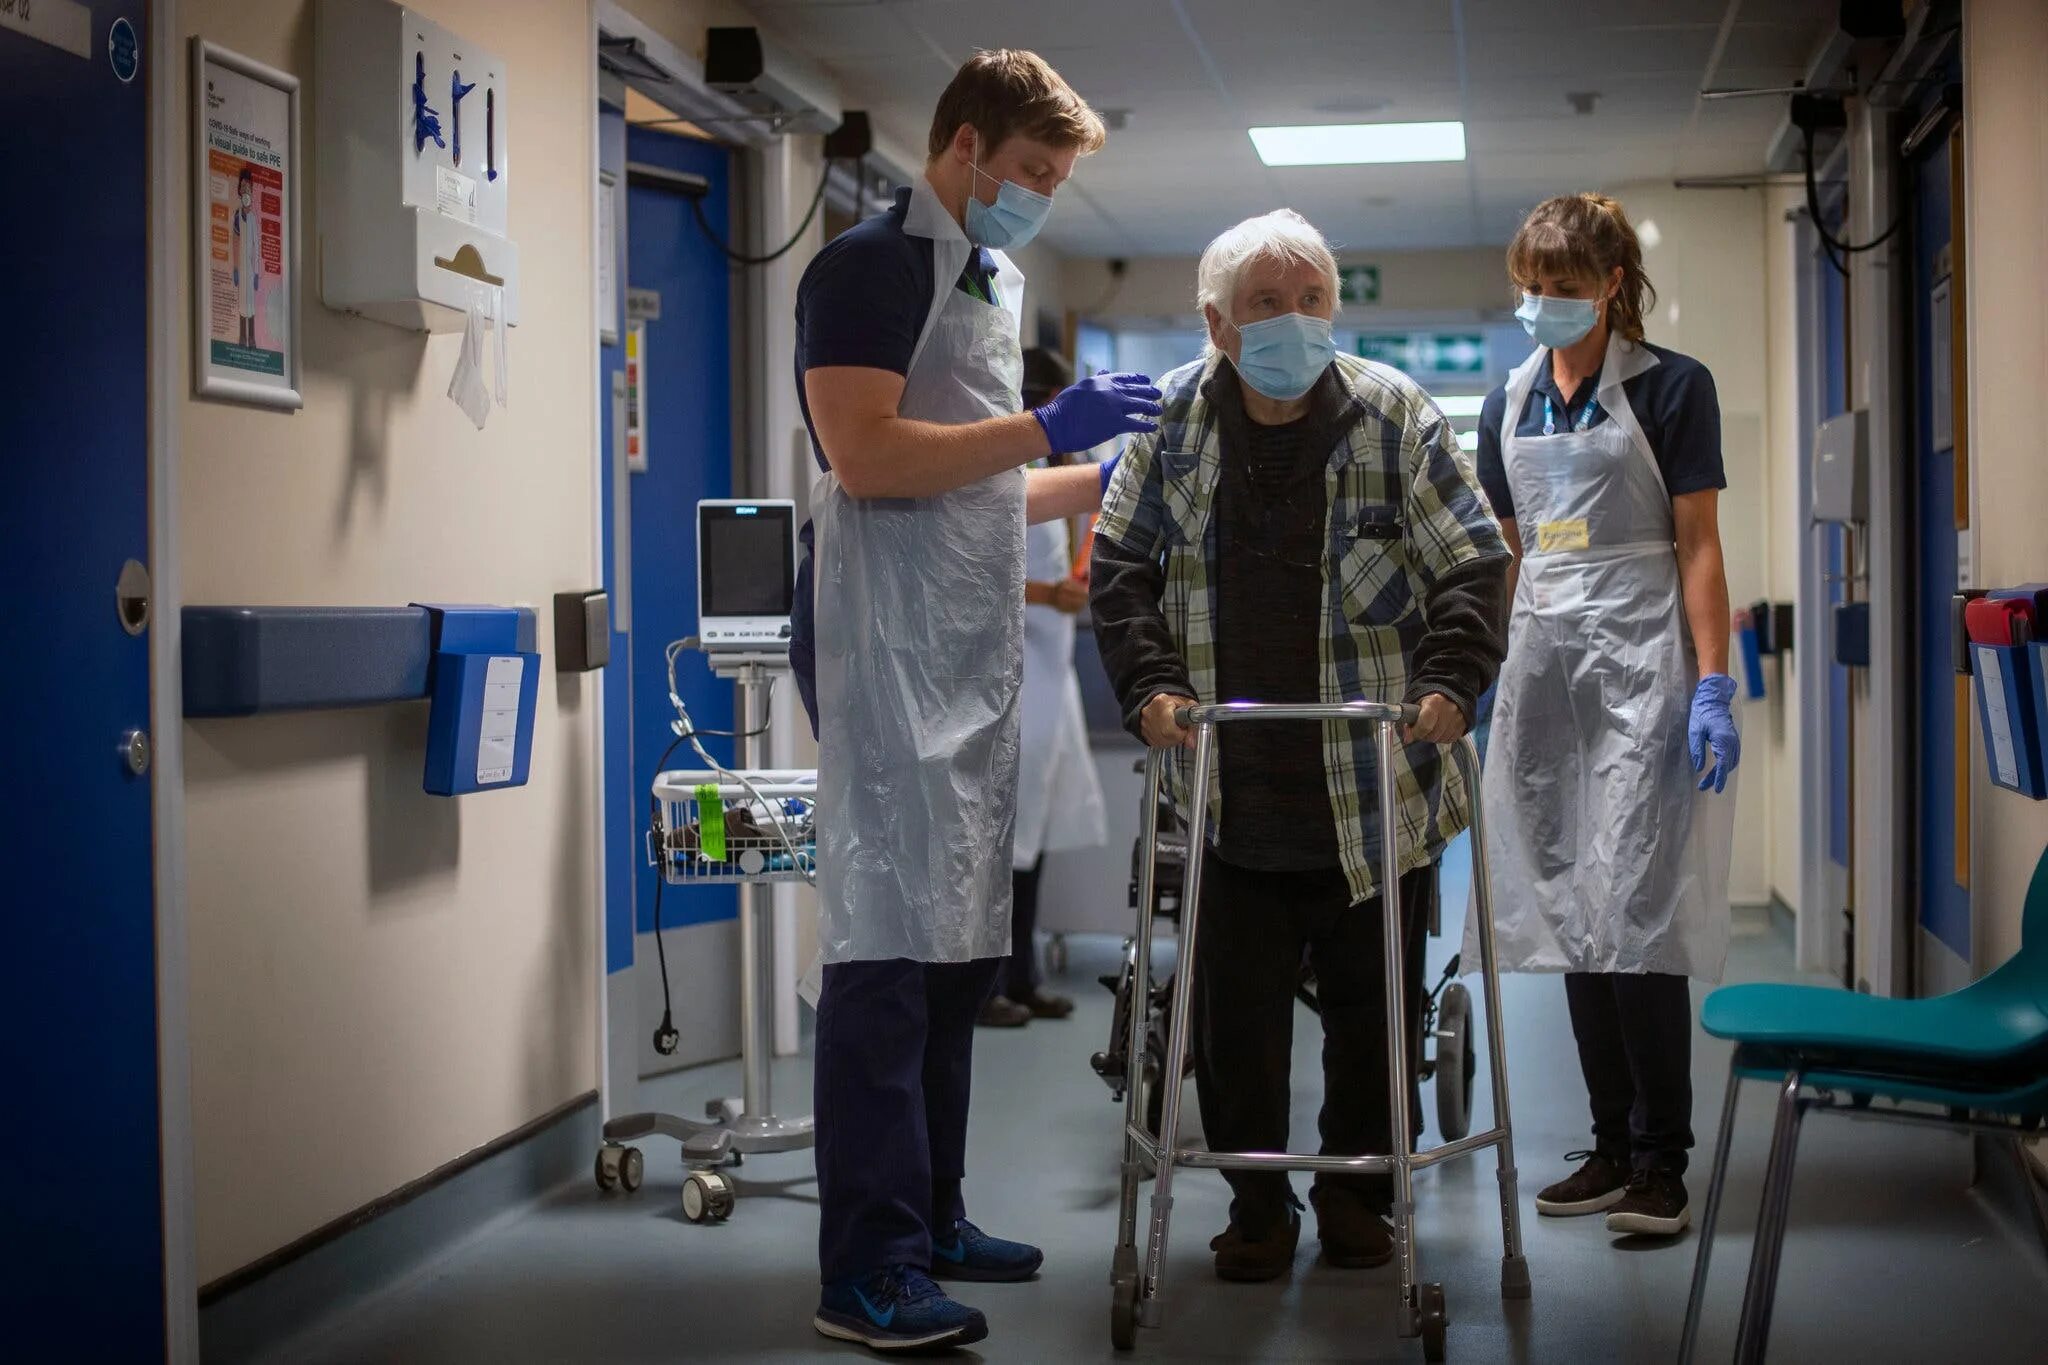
(609, 1159)
(1123, 1314)
(632, 1170)
(708, 1197)
(1434, 1322)
(1456, 1063)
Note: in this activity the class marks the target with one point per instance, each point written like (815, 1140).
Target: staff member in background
(1602, 455)
(1303, 528)
(908, 369)
(1059, 799)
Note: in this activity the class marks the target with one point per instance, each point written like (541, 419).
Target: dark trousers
(1635, 1046)
(1254, 929)
(895, 1054)
(1019, 978)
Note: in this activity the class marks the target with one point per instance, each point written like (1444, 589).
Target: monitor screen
(747, 557)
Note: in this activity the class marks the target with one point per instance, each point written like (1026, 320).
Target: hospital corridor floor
(1891, 1255)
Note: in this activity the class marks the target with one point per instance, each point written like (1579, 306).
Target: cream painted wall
(2005, 61)
(1705, 253)
(1158, 287)
(1775, 733)
(383, 980)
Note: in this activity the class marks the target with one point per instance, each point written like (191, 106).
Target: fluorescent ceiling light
(1358, 144)
(1468, 440)
(1460, 404)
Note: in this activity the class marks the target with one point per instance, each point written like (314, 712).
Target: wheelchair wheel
(1456, 1062)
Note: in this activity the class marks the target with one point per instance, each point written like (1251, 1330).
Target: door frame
(168, 352)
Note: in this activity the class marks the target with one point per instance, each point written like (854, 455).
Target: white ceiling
(1195, 74)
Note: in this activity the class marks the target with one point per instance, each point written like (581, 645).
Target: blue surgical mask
(1011, 221)
(1283, 357)
(1556, 322)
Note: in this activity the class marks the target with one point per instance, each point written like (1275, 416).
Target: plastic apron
(1605, 855)
(920, 624)
(1059, 798)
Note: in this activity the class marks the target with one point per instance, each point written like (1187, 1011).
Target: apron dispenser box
(415, 171)
(484, 683)
(2010, 702)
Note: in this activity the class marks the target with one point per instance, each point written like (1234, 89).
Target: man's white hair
(1281, 235)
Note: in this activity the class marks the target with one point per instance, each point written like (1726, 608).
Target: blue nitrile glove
(1108, 468)
(1086, 414)
(1712, 724)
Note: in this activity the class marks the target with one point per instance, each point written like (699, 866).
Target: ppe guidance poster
(245, 287)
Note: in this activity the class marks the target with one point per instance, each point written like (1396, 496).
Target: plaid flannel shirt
(1405, 507)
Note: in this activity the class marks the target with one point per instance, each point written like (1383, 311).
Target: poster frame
(209, 380)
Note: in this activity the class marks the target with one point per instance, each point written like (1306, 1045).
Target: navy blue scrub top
(862, 302)
(1673, 401)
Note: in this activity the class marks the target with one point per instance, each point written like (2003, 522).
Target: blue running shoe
(898, 1309)
(974, 1255)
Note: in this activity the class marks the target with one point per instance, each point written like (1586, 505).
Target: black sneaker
(1596, 1185)
(1654, 1205)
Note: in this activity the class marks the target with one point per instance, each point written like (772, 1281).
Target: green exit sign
(1426, 352)
(1359, 284)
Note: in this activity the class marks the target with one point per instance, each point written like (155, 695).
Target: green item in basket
(711, 822)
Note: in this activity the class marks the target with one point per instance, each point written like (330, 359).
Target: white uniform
(1605, 855)
(920, 612)
(1059, 798)
(247, 261)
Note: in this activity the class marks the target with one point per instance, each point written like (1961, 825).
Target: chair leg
(2036, 1201)
(1696, 1301)
(1758, 1297)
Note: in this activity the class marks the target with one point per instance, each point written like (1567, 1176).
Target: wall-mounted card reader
(484, 682)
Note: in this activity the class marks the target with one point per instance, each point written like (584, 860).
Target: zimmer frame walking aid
(1137, 1296)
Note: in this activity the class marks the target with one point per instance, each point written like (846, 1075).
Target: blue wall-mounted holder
(485, 685)
(2009, 706)
(480, 666)
(1852, 634)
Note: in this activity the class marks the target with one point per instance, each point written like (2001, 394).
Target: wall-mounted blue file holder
(485, 685)
(479, 665)
(2010, 702)
(1852, 634)
(1749, 643)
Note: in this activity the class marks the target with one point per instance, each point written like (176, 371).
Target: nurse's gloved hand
(1086, 414)
(1713, 724)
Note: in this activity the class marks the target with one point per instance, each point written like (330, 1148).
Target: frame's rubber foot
(1514, 1277)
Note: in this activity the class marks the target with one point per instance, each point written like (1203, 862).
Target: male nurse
(909, 647)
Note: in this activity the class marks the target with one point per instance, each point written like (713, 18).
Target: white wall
(2005, 60)
(1708, 265)
(1774, 738)
(383, 980)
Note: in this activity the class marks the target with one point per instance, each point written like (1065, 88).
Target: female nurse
(1608, 821)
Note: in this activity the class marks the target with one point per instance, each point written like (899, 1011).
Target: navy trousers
(895, 1055)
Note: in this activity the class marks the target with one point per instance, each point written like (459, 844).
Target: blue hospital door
(688, 399)
(83, 1199)
(1942, 729)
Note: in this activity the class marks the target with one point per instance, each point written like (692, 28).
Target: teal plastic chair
(1975, 1060)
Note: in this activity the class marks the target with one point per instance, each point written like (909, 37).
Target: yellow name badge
(1554, 536)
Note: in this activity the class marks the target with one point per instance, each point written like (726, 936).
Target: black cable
(1829, 242)
(741, 258)
(661, 877)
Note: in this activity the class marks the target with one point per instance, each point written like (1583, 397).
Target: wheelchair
(1449, 1059)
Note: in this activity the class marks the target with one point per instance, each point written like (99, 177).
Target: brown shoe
(1043, 1006)
(1001, 1012)
(1354, 1236)
(1249, 1260)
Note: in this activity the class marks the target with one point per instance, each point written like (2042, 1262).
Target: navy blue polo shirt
(862, 302)
(1673, 401)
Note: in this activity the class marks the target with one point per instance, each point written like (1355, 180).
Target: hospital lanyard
(1585, 418)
